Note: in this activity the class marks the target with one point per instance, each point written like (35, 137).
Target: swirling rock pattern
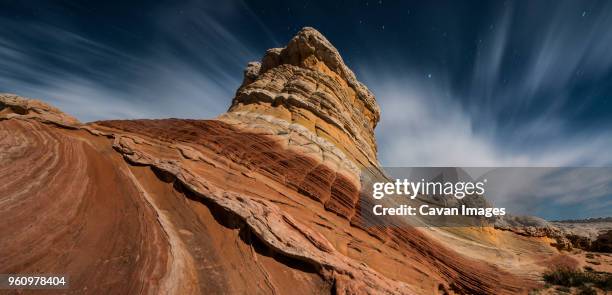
(262, 200)
(70, 208)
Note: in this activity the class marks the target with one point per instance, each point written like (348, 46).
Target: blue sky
(460, 83)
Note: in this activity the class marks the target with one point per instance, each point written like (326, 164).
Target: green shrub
(563, 289)
(585, 290)
(575, 278)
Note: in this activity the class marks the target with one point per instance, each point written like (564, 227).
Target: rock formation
(15, 106)
(263, 199)
(307, 83)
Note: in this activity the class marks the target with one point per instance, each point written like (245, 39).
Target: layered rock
(262, 200)
(12, 106)
(308, 83)
(68, 206)
(568, 235)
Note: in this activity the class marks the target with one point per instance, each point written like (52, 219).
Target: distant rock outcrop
(593, 235)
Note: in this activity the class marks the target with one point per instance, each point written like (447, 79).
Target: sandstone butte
(261, 200)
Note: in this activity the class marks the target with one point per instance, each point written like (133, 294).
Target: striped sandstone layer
(263, 199)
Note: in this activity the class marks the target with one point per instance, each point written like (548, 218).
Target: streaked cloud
(181, 76)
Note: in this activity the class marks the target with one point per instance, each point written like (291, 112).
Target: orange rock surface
(262, 200)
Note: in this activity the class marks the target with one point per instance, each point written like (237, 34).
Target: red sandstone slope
(262, 200)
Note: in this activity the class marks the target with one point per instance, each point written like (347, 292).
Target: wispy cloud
(183, 75)
(425, 125)
(518, 107)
